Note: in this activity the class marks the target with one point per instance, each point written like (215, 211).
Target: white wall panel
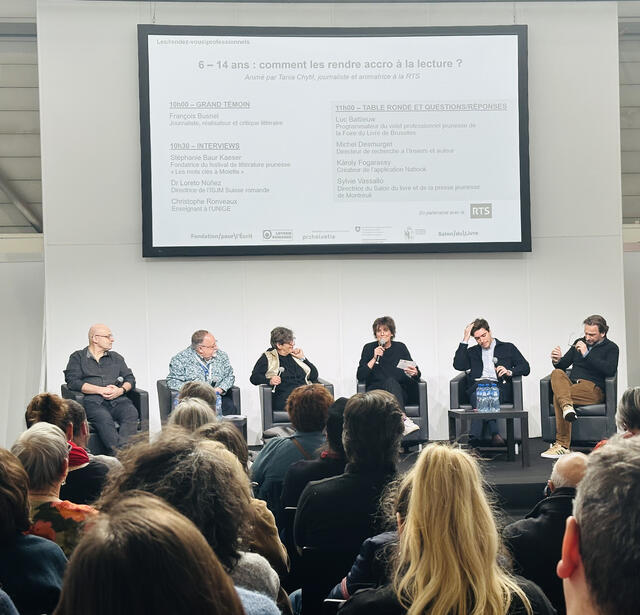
(91, 184)
(21, 318)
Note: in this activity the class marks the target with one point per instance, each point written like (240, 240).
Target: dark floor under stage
(515, 488)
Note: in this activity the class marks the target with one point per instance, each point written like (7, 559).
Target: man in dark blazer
(489, 360)
(535, 542)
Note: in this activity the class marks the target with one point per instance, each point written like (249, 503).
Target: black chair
(165, 399)
(277, 423)
(140, 399)
(321, 569)
(595, 421)
(418, 413)
(458, 398)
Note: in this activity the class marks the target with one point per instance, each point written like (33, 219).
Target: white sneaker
(554, 451)
(409, 426)
(569, 414)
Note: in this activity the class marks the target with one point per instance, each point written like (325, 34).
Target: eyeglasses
(208, 347)
(289, 342)
(110, 336)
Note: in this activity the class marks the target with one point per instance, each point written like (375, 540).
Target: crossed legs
(567, 393)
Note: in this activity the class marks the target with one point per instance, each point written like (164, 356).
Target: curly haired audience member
(206, 483)
(31, 567)
(44, 453)
(260, 534)
(142, 556)
(448, 553)
(307, 407)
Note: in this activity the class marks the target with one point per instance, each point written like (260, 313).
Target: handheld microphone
(381, 342)
(119, 381)
(280, 370)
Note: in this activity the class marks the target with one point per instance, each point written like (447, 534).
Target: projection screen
(327, 141)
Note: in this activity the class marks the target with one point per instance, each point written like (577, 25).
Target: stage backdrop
(91, 191)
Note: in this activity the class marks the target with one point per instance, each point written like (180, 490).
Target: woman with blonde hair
(192, 413)
(447, 562)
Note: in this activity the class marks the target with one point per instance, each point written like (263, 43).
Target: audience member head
(14, 497)
(568, 471)
(78, 419)
(597, 321)
(202, 479)
(44, 453)
(280, 335)
(447, 561)
(192, 413)
(229, 435)
(47, 408)
(394, 502)
(385, 322)
(372, 430)
(601, 547)
(142, 556)
(335, 423)
(200, 390)
(628, 413)
(308, 406)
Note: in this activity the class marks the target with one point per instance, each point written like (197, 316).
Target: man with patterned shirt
(203, 362)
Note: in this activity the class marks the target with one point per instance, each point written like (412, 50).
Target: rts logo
(480, 210)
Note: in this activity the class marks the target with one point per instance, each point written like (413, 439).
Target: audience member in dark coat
(31, 568)
(6, 605)
(536, 541)
(373, 566)
(342, 511)
(384, 600)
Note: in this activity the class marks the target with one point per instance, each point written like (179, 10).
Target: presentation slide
(293, 141)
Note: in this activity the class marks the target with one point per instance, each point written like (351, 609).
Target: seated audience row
(143, 556)
(445, 555)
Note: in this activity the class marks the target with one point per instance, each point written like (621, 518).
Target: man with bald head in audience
(535, 542)
(601, 546)
(104, 378)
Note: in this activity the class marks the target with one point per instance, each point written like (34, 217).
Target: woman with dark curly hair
(31, 567)
(307, 407)
(261, 534)
(206, 483)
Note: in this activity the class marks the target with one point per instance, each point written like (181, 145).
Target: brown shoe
(497, 440)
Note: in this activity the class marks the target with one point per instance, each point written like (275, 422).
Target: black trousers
(103, 415)
(391, 385)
